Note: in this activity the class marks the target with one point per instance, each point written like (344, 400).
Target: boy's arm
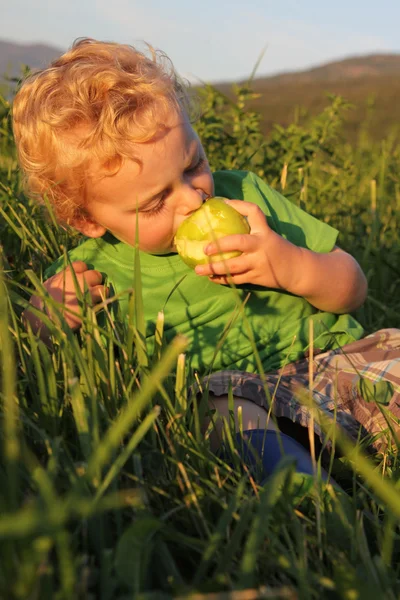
(61, 287)
(332, 281)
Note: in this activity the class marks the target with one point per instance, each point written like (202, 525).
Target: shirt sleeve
(289, 220)
(283, 216)
(83, 251)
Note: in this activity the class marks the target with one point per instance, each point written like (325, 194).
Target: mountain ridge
(363, 80)
(356, 66)
(14, 55)
(37, 55)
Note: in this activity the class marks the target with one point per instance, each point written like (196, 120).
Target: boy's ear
(89, 228)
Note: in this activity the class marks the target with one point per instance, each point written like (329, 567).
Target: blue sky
(216, 39)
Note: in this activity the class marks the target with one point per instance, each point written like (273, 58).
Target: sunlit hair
(87, 108)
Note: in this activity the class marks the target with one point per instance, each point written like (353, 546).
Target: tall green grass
(109, 488)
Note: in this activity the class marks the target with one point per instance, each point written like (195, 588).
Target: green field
(108, 487)
(371, 85)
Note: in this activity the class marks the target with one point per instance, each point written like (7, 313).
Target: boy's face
(171, 181)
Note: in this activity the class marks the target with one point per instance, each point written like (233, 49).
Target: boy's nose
(194, 198)
(203, 195)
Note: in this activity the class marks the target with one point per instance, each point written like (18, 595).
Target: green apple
(213, 220)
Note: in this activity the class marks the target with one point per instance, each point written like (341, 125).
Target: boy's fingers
(241, 242)
(244, 208)
(227, 279)
(98, 293)
(92, 278)
(79, 266)
(223, 267)
(255, 216)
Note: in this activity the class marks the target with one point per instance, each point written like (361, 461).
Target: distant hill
(362, 80)
(365, 81)
(13, 56)
(349, 68)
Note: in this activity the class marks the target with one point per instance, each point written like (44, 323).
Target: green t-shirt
(221, 334)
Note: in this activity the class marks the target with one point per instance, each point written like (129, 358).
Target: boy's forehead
(150, 164)
(175, 143)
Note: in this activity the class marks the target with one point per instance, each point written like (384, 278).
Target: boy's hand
(331, 281)
(61, 287)
(263, 250)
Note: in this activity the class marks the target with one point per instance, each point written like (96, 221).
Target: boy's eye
(159, 205)
(198, 166)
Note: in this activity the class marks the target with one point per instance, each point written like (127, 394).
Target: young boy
(105, 133)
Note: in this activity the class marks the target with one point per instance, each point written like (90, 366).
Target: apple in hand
(213, 220)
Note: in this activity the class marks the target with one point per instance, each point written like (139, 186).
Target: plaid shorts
(347, 386)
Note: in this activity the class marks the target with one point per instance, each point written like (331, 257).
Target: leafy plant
(109, 488)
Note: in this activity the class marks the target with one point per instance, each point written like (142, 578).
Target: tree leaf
(380, 391)
(134, 551)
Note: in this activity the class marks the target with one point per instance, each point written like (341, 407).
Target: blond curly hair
(86, 108)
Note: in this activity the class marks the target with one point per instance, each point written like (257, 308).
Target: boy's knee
(247, 415)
